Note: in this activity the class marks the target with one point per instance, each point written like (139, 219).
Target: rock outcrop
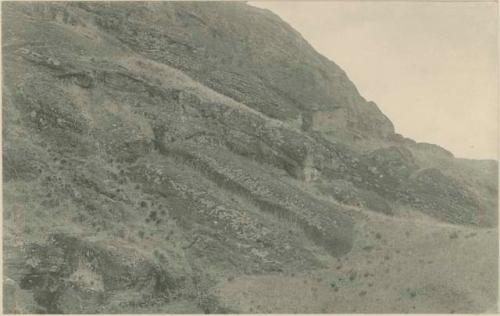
(150, 148)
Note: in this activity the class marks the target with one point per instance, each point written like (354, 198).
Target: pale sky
(431, 67)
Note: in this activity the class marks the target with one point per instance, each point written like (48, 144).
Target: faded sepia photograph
(249, 157)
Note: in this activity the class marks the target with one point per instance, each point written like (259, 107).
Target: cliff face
(243, 52)
(152, 148)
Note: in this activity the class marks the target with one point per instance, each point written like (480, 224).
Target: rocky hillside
(153, 150)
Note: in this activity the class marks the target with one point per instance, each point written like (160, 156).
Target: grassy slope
(400, 266)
